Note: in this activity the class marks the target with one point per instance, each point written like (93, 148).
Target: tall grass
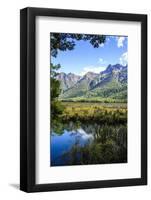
(85, 112)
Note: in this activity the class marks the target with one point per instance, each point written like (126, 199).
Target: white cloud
(124, 59)
(101, 60)
(120, 41)
(84, 135)
(101, 45)
(92, 69)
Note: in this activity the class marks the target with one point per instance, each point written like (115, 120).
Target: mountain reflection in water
(76, 143)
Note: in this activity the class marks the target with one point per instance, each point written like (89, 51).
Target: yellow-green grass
(99, 112)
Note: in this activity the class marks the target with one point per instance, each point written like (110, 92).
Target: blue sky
(86, 58)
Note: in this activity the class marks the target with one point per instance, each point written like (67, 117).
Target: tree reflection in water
(82, 144)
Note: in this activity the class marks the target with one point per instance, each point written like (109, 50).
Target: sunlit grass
(109, 113)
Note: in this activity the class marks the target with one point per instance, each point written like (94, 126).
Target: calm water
(75, 143)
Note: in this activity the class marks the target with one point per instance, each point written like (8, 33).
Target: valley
(88, 120)
(107, 86)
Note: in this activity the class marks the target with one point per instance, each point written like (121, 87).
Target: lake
(76, 143)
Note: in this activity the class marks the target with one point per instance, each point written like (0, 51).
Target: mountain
(67, 80)
(110, 83)
(81, 87)
(113, 73)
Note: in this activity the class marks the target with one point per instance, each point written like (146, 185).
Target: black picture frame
(28, 99)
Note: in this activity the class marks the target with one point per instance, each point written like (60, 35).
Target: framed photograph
(83, 99)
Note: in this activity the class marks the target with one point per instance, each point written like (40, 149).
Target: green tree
(56, 107)
(66, 41)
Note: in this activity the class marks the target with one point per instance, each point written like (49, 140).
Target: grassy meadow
(110, 113)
